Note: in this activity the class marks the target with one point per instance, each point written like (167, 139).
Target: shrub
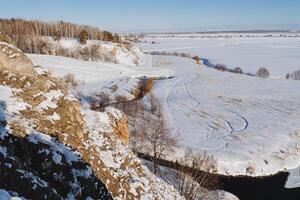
(114, 88)
(95, 52)
(185, 55)
(103, 98)
(148, 86)
(43, 46)
(70, 80)
(237, 70)
(221, 67)
(85, 53)
(263, 73)
(61, 51)
(197, 59)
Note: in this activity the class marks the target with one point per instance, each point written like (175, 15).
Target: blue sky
(162, 15)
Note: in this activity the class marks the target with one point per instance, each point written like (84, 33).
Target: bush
(197, 59)
(221, 67)
(43, 46)
(103, 99)
(61, 51)
(148, 86)
(237, 70)
(70, 80)
(114, 88)
(263, 73)
(95, 52)
(85, 53)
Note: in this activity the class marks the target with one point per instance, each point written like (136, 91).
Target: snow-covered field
(250, 124)
(280, 55)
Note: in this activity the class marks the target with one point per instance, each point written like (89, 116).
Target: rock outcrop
(119, 123)
(43, 118)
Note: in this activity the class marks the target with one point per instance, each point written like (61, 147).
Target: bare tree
(199, 178)
(14, 27)
(155, 138)
(294, 76)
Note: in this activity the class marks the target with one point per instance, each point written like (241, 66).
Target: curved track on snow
(188, 108)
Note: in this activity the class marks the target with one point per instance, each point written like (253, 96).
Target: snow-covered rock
(65, 139)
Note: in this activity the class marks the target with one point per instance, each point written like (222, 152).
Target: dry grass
(197, 59)
(148, 85)
(70, 80)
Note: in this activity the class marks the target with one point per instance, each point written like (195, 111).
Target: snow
(56, 147)
(243, 121)
(56, 158)
(54, 117)
(293, 180)
(13, 105)
(99, 77)
(279, 55)
(49, 102)
(4, 195)
(117, 114)
(116, 52)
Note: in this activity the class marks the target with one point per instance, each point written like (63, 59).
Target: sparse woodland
(15, 28)
(43, 38)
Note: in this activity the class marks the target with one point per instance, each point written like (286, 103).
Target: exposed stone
(120, 125)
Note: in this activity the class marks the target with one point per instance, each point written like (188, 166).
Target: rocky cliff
(51, 147)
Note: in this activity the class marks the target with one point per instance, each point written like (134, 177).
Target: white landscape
(150, 100)
(280, 55)
(250, 124)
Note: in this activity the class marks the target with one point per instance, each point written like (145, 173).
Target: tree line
(16, 27)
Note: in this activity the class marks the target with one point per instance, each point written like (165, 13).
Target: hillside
(53, 147)
(238, 122)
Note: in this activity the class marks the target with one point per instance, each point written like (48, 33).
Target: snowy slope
(113, 52)
(74, 145)
(280, 55)
(97, 76)
(251, 125)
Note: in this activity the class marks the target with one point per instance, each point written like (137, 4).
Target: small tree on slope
(83, 36)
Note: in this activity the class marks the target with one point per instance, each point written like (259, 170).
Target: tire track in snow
(246, 123)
